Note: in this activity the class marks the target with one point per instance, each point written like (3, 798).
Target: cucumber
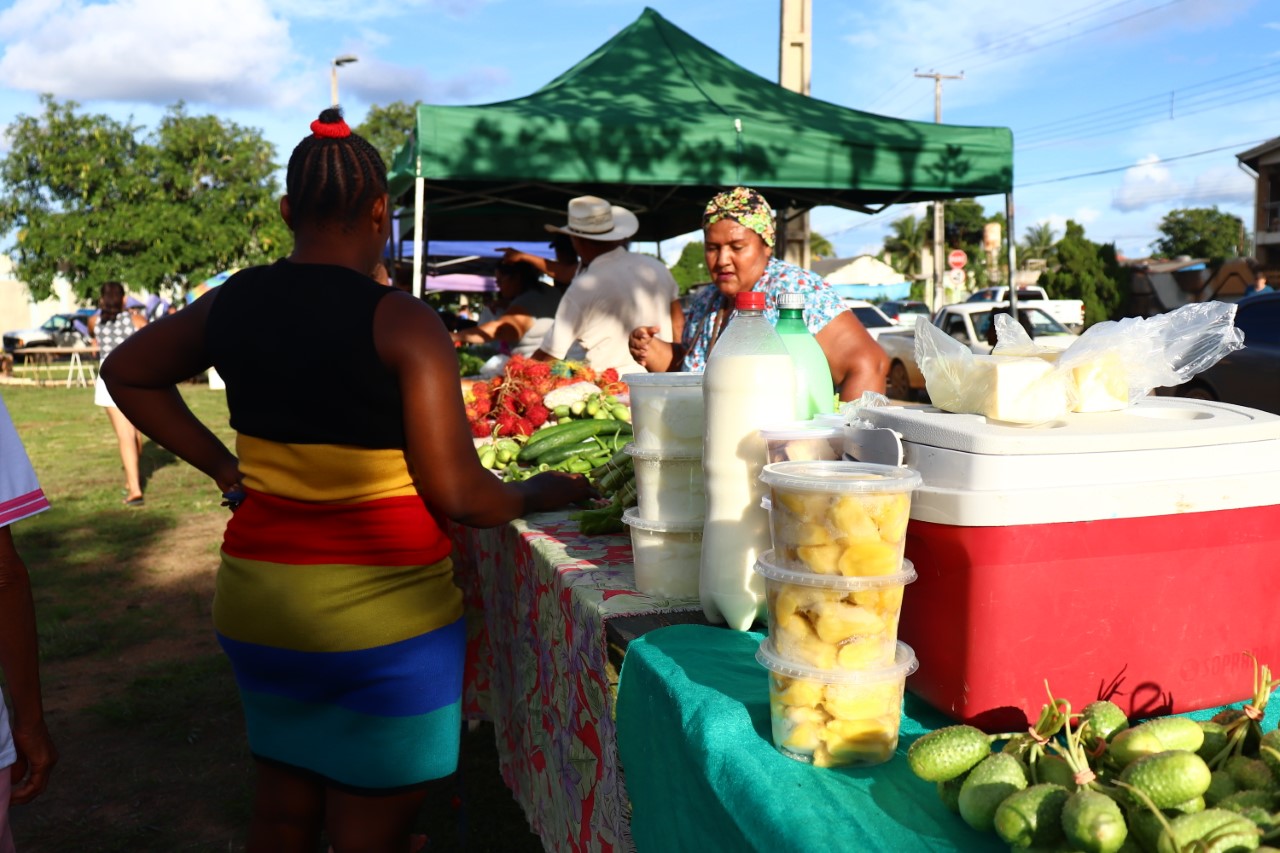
(1105, 719)
(1032, 816)
(1218, 829)
(1155, 736)
(562, 435)
(1093, 822)
(1169, 778)
(1250, 773)
(1215, 739)
(1221, 786)
(1055, 770)
(947, 752)
(995, 778)
(949, 791)
(588, 447)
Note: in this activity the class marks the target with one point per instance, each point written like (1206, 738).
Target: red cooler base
(1155, 614)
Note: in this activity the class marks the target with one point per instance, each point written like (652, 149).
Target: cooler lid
(1153, 423)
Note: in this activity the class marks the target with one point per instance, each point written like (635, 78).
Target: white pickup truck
(967, 322)
(1068, 312)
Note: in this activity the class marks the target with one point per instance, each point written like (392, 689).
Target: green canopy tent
(658, 122)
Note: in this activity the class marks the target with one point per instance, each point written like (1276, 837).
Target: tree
(88, 201)
(1038, 242)
(820, 247)
(691, 267)
(906, 244)
(1082, 274)
(1201, 232)
(388, 128)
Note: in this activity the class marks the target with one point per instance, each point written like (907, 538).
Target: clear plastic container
(834, 718)
(839, 518)
(803, 441)
(830, 419)
(833, 621)
(667, 411)
(668, 486)
(666, 555)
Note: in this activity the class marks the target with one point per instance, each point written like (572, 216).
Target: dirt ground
(145, 716)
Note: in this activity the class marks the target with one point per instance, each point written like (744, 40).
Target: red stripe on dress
(22, 507)
(396, 531)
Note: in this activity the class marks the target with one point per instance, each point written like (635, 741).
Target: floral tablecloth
(538, 594)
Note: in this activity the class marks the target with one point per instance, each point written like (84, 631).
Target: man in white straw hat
(614, 292)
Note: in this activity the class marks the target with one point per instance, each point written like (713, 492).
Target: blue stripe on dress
(351, 748)
(405, 679)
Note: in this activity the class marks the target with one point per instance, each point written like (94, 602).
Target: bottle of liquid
(749, 383)
(815, 393)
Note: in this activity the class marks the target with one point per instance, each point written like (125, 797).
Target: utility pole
(794, 68)
(937, 285)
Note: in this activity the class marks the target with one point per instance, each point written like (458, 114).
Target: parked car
(967, 322)
(1068, 312)
(871, 317)
(60, 330)
(904, 312)
(1248, 376)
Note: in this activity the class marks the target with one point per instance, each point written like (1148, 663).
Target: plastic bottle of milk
(815, 393)
(749, 383)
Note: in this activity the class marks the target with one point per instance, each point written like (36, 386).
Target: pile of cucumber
(1091, 782)
(578, 447)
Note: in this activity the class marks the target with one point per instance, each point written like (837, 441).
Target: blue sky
(1115, 86)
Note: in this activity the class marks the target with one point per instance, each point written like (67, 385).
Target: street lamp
(345, 59)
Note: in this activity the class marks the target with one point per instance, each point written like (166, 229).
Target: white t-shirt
(20, 497)
(617, 292)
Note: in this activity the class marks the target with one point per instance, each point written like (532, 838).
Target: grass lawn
(140, 700)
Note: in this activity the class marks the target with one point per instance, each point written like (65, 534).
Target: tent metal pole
(1013, 255)
(419, 202)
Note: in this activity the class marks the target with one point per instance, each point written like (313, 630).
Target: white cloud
(1145, 184)
(1150, 184)
(368, 10)
(153, 51)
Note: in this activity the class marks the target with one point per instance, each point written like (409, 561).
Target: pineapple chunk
(850, 519)
(864, 652)
(795, 597)
(861, 701)
(837, 621)
(798, 692)
(821, 559)
(868, 557)
(796, 640)
(890, 514)
(806, 505)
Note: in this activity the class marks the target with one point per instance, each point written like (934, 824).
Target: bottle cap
(791, 300)
(749, 300)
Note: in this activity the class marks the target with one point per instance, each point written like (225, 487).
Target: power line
(1133, 165)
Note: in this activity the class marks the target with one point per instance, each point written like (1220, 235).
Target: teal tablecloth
(700, 767)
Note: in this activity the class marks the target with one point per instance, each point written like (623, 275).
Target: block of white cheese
(1100, 385)
(1017, 389)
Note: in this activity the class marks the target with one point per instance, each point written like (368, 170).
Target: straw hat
(593, 218)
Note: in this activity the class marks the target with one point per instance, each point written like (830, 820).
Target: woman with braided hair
(335, 599)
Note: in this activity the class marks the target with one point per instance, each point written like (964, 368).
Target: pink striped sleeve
(23, 506)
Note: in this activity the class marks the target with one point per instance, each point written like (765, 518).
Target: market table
(544, 604)
(43, 358)
(694, 739)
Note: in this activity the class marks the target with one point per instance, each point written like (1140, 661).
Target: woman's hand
(648, 350)
(35, 747)
(555, 489)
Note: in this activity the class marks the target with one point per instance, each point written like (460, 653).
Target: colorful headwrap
(744, 206)
(331, 130)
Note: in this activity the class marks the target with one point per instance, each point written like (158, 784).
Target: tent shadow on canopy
(658, 122)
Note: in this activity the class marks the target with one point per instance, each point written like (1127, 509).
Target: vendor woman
(738, 233)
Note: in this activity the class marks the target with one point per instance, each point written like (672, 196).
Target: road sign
(957, 259)
(957, 277)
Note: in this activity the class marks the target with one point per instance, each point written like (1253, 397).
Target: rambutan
(482, 406)
(481, 429)
(537, 414)
(527, 397)
(524, 427)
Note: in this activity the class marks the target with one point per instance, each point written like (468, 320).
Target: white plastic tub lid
(800, 429)
(658, 455)
(839, 477)
(631, 517)
(663, 379)
(766, 566)
(830, 419)
(1152, 423)
(904, 663)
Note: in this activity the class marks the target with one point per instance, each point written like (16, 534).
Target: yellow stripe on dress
(332, 608)
(323, 473)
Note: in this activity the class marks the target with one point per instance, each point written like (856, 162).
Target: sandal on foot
(138, 501)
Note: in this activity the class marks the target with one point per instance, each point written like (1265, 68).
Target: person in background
(27, 754)
(530, 310)
(738, 232)
(335, 599)
(1260, 285)
(110, 326)
(614, 292)
(561, 270)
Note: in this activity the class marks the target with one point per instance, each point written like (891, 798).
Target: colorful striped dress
(335, 598)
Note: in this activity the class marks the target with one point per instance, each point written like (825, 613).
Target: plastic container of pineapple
(803, 441)
(833, 621)
(839, 518)
(835, 718)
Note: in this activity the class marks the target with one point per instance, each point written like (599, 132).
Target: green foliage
(820, 247)
(905, 245)
(89, 201)
(691, 268)
(1039, 242)
(1201, 232)
(388, 128)
(1088, 272)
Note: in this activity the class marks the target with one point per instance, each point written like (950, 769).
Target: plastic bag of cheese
(1021, 389)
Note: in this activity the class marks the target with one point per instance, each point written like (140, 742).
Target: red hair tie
(331, 130)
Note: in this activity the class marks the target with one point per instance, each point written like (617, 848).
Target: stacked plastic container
(666, 523)
(834, 584)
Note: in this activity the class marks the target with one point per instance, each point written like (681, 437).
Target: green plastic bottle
(815, 393)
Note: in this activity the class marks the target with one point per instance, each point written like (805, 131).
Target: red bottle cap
(749, 300)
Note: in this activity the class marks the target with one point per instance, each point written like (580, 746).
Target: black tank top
(294, 344)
